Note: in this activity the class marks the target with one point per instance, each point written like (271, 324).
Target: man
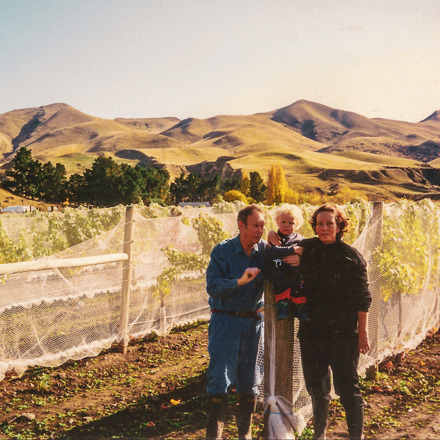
(235, 288)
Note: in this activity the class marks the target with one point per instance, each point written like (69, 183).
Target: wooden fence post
(374, 314)
(279, 357)
(126, 280)
(163, 315)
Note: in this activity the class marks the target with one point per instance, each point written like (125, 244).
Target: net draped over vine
(49, 316)
(401, 244)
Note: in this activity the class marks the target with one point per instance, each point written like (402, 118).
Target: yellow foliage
(233, 195)
(277, 186)
(245, 186)
(346, 194)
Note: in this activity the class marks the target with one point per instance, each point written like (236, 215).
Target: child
(285, 278)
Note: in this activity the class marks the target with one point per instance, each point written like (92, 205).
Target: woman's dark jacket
(336, 287)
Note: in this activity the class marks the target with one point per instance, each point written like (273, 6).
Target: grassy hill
(318, 146)
(8, 199)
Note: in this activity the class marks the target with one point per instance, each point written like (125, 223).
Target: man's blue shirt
(227, 264)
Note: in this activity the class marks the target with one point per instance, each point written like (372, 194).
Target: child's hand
(273, 239)
(298, 250)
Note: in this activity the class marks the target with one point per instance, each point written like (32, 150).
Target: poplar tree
(270, 192)
(245, 184)
(277, 186)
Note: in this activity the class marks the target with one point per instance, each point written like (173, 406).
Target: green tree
(209, 188)
(101, 182)
(148, 184)
(25, 177)
(230, 184)
(257, 188)
(186, 188)
(108, 183)
(75, 189)
(178, 189)
(53, 185)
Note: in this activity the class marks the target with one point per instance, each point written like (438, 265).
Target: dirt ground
(156, 390)
(404, 401)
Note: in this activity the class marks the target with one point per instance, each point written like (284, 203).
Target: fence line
(79, 309)
(31, 266)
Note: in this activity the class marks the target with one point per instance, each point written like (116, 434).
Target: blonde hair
(293, 210)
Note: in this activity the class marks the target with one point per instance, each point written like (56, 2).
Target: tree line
(108, 183)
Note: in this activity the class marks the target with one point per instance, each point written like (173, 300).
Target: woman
(338, 299)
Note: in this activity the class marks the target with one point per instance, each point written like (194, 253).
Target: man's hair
(246, 212)
(340, 219)
(293, 210)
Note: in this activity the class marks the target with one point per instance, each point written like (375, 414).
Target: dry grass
(8, 199)
(343, 140)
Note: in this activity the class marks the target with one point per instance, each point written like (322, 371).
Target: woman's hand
(292, 260)
(273, 239)
(364, 345)
(299, 250)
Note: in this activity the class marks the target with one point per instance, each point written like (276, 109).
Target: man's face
(252, 232)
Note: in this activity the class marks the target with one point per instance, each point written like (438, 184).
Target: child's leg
(299, 300)
(281, 293)
(282, 309)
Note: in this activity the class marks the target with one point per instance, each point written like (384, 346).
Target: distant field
(8, 199)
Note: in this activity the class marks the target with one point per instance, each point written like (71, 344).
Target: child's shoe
(301, 313)
(282, 309)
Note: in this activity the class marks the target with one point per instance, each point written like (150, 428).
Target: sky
(202, 58)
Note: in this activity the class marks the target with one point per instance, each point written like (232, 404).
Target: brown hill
(151, 125)
(342, 130)
(317, 145)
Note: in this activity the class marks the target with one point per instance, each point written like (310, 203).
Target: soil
(156, 390)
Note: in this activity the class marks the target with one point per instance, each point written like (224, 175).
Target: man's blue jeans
(233, 348)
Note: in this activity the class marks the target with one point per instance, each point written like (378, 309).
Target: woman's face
(326, 227)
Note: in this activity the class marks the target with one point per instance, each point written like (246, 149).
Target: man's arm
(219, 283)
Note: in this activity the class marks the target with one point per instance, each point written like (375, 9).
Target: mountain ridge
(306, 137)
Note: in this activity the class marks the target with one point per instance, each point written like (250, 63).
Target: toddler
(286, 279)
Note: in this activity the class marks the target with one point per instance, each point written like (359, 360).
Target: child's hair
(293, 210)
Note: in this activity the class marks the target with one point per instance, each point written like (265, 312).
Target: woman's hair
(293, 210)
(341, 220)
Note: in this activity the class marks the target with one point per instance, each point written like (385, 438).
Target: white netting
(401, 244)
(52, 315)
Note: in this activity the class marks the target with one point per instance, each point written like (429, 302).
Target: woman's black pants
(341, 355)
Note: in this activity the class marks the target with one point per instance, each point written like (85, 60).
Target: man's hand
(273, 239)
(292, 260)
(248, 275)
